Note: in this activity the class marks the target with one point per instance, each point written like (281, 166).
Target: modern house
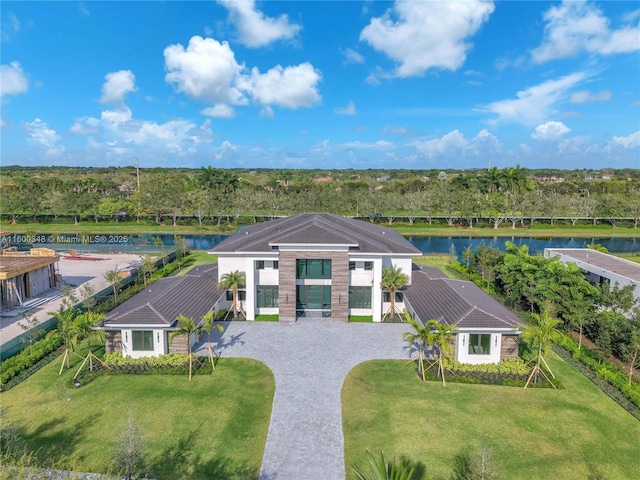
(26, 274)
(314, 264)
(141, 326)
(600, 266)
(486, 331)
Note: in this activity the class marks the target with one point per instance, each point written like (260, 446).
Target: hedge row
(174, 360)
(29, 357)
(492, 378)
(604, 369)
(515, 366)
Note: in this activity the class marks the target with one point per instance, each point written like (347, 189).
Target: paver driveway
(310, 360)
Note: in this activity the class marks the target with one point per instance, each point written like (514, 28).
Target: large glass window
(313, 297)
(259, 264)
(386, 297)
(242, 295)
(479, 343)
(368, 265)
(142, 340)
(267, 296)
(313, 268)
(352, 265)
(359, 297)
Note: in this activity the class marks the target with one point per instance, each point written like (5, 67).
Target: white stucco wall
(462, 348)
(160, 345)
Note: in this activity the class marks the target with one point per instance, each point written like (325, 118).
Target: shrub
(603, 369)
(26, 359)
(515, 366)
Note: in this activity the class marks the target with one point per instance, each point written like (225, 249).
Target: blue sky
(347, 84)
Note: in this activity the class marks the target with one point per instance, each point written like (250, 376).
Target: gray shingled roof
(192, 295)
(317, 228)
(455, 302)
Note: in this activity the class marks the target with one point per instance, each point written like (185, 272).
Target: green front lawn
(533, 433)
(442, 262)
(197, 258)
(214, 426)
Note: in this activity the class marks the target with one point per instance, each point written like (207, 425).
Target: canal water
(156, 243)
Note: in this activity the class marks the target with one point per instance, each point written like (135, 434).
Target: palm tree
(440, 336)
(233, 281)
(85, 323)
(188, 328)
(540, 334)
(381, 469)
(419, 337)
(208, 324)
(392, 280)
(68, 330)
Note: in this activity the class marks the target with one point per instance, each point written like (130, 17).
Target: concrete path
(310, 360)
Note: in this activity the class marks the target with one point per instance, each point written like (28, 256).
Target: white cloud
(117, 85)
(206, 70)
(630, 141)
(82, 7)
(352, 56)
(288, 87)
(40, 134)
(219, 111)
(550, 131)
(454, 144)
(121, 115)
(85, 126)
(535, 104)
(348, 109)
(426, 35)
(13, 80)
(576, 26)
(451, 142)
(255, 29)
(378, 144)
(585, 96)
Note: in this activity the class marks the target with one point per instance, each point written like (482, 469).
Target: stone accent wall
(112, 341)
(509, 347)
(179, 344)
(339, 284)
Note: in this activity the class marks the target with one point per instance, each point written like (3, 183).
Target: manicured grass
(197, 257)
(581, 231)
(360, 318)
(439, 261)
(213, 426)
(533, 433)
(630, 257)
(267, 318)
(419, 229)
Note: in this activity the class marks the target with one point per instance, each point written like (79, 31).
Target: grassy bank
(213, 426)
(530, 433)
(124, 228)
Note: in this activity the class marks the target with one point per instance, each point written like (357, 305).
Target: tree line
(494, 197)
(609, 315)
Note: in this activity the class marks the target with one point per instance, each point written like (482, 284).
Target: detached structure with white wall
(600, 266)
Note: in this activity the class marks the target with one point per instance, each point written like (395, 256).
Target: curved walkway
(310, 360)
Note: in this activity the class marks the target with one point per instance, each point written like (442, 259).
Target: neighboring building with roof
(26, 274)
(140, 327)
(601, 266)
(486, 331)
(314, 264)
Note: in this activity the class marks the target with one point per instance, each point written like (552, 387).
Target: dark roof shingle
(455, 302)
(192, 295)
(317, 228)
